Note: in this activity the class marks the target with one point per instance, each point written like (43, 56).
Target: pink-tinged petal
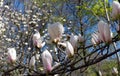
(69, 49)
(39, 43)
(48, 67)
(47, 60)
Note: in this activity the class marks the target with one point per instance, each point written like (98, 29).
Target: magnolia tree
(59, 37)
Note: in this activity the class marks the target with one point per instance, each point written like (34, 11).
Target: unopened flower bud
(37, 39)
(12, 55)
(115, 10)
(69, 49)
(47, 61)
(104, 32)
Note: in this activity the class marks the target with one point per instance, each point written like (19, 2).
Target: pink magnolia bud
(37, 39)
(74, 40)
(32, 61)
(47, 61)
(12, 55)
(116, 9)
(55, 31)
(104, 31)
(69, 49)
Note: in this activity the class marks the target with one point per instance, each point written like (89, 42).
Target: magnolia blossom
(32, 61)
(69, 49)
(95, 38)
(104, 31)
(55, 31)
(37, 39)
(116, 9)
(12, 55)
(47, 60)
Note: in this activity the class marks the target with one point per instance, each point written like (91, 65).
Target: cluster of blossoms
(104, 33)
(56, 31)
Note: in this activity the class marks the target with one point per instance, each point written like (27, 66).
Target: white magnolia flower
(55, 31)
